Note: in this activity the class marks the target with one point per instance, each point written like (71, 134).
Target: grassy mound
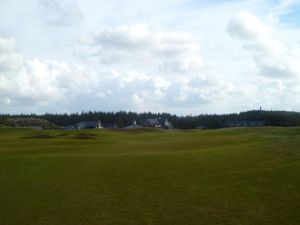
(34, 123)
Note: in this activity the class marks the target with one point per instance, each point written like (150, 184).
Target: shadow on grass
(39, 136)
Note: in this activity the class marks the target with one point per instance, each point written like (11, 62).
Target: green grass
(150, 177)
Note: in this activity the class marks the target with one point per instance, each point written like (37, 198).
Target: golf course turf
(242, 176)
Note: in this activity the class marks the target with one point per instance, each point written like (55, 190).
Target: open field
(150, 177)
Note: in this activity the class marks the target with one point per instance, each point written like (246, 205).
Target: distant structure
(109, 125)
(89, 125)
(167, 124)
(151, 123)
(141, 123)
(133, 125)
(244, 123)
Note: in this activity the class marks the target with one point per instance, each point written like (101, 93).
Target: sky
(184, 57)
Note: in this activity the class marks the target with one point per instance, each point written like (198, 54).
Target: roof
(154, 122)
(167, 123)
(148, 122)
(88, 124)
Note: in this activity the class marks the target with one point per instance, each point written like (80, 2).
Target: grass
(150, 177)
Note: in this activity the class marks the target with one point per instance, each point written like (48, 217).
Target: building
(151, 123)
(89, 125)
(133, 125)
(167, 124)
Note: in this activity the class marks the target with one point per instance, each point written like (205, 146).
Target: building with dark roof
(89, 125)
(151, 123)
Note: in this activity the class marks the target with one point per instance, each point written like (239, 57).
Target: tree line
(122, 118)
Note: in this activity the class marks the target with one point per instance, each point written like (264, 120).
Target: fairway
(245, 176)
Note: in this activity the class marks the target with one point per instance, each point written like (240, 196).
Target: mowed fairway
(150, 177)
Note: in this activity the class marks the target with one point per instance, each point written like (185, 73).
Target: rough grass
(232, 176)
(28, 122)
(85, 136)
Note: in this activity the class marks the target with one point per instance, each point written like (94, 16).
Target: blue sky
(292, 17)
(179, 56)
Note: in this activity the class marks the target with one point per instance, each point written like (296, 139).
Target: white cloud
(167, 51)
(60, 13)
(273, 58)
(138, 57)
(248, 27)
(10, 59)
(33, 83)
(44, 83)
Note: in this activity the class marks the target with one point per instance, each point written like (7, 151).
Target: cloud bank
(167, 51)
(66, 56)
(272, 57)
